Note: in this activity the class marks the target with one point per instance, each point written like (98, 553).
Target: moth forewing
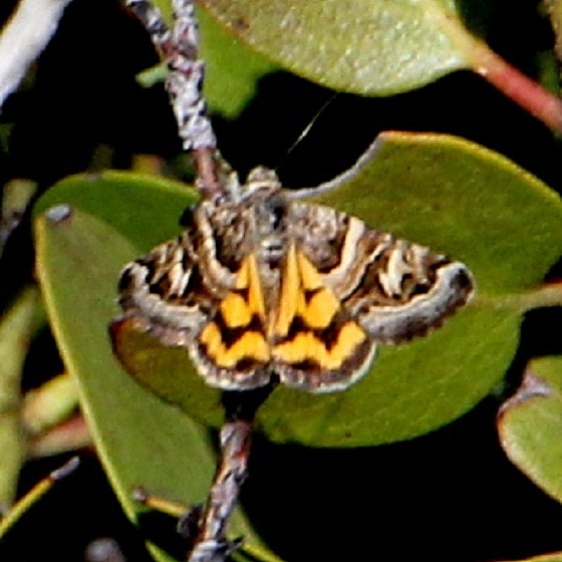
(451, 289)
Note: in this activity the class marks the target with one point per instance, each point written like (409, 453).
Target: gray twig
(179, 47)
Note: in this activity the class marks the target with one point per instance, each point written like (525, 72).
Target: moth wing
(165, 294)
(231, 351)
(162, 293)
(395, 289)
(317, 346)
(391, 289)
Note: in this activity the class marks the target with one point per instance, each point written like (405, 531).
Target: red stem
(530, 95)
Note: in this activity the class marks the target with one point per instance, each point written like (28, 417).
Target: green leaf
(120, 199)
(457, 196)
(140, 439)
(232, 69)
(478, 207)
(372, 47)
(554, 8)
(17, 327)
(449, 194)
(530, 424)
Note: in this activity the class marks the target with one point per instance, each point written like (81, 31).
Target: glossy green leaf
(373, 47)
(457, 196)
(140, 439)
(232, 69)
(449, 194)
(530, 425)
(120, 199)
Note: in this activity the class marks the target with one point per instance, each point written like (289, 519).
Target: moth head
(261, 179)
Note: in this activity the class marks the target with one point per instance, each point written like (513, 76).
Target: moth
(264, 287)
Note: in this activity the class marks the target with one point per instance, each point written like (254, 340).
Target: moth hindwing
(261, 285)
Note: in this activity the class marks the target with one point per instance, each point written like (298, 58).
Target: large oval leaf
(374, 47)
(436, 190)
(140, 439)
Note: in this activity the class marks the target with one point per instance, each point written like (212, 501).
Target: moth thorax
(271, 227)
(262, 178)
(272, 251)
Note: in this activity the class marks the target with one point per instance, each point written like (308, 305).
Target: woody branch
(211, 544)
(179, 48)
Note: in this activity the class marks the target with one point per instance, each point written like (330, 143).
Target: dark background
(448, 496)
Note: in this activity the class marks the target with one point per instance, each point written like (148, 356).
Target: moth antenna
(179, 48)
(340, 179)
(307, 129)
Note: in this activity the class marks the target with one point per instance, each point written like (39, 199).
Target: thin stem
(177, 510)
(544, 296)
(179, 47)
(36, 493)
(211, 544)
(530, 95)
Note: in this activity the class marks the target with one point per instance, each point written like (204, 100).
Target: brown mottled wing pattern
(182, 295)
(390, 289)
(163, 293)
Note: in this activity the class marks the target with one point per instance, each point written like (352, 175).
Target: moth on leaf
(264, 287)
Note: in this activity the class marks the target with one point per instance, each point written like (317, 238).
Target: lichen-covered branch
(179, 48)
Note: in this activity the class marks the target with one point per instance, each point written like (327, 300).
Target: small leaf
(17, 327)
(140, 439)
(530, 425)
(369, 47)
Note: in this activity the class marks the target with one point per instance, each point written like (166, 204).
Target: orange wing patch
(308, 331)
(309, 326)
(237, 334)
